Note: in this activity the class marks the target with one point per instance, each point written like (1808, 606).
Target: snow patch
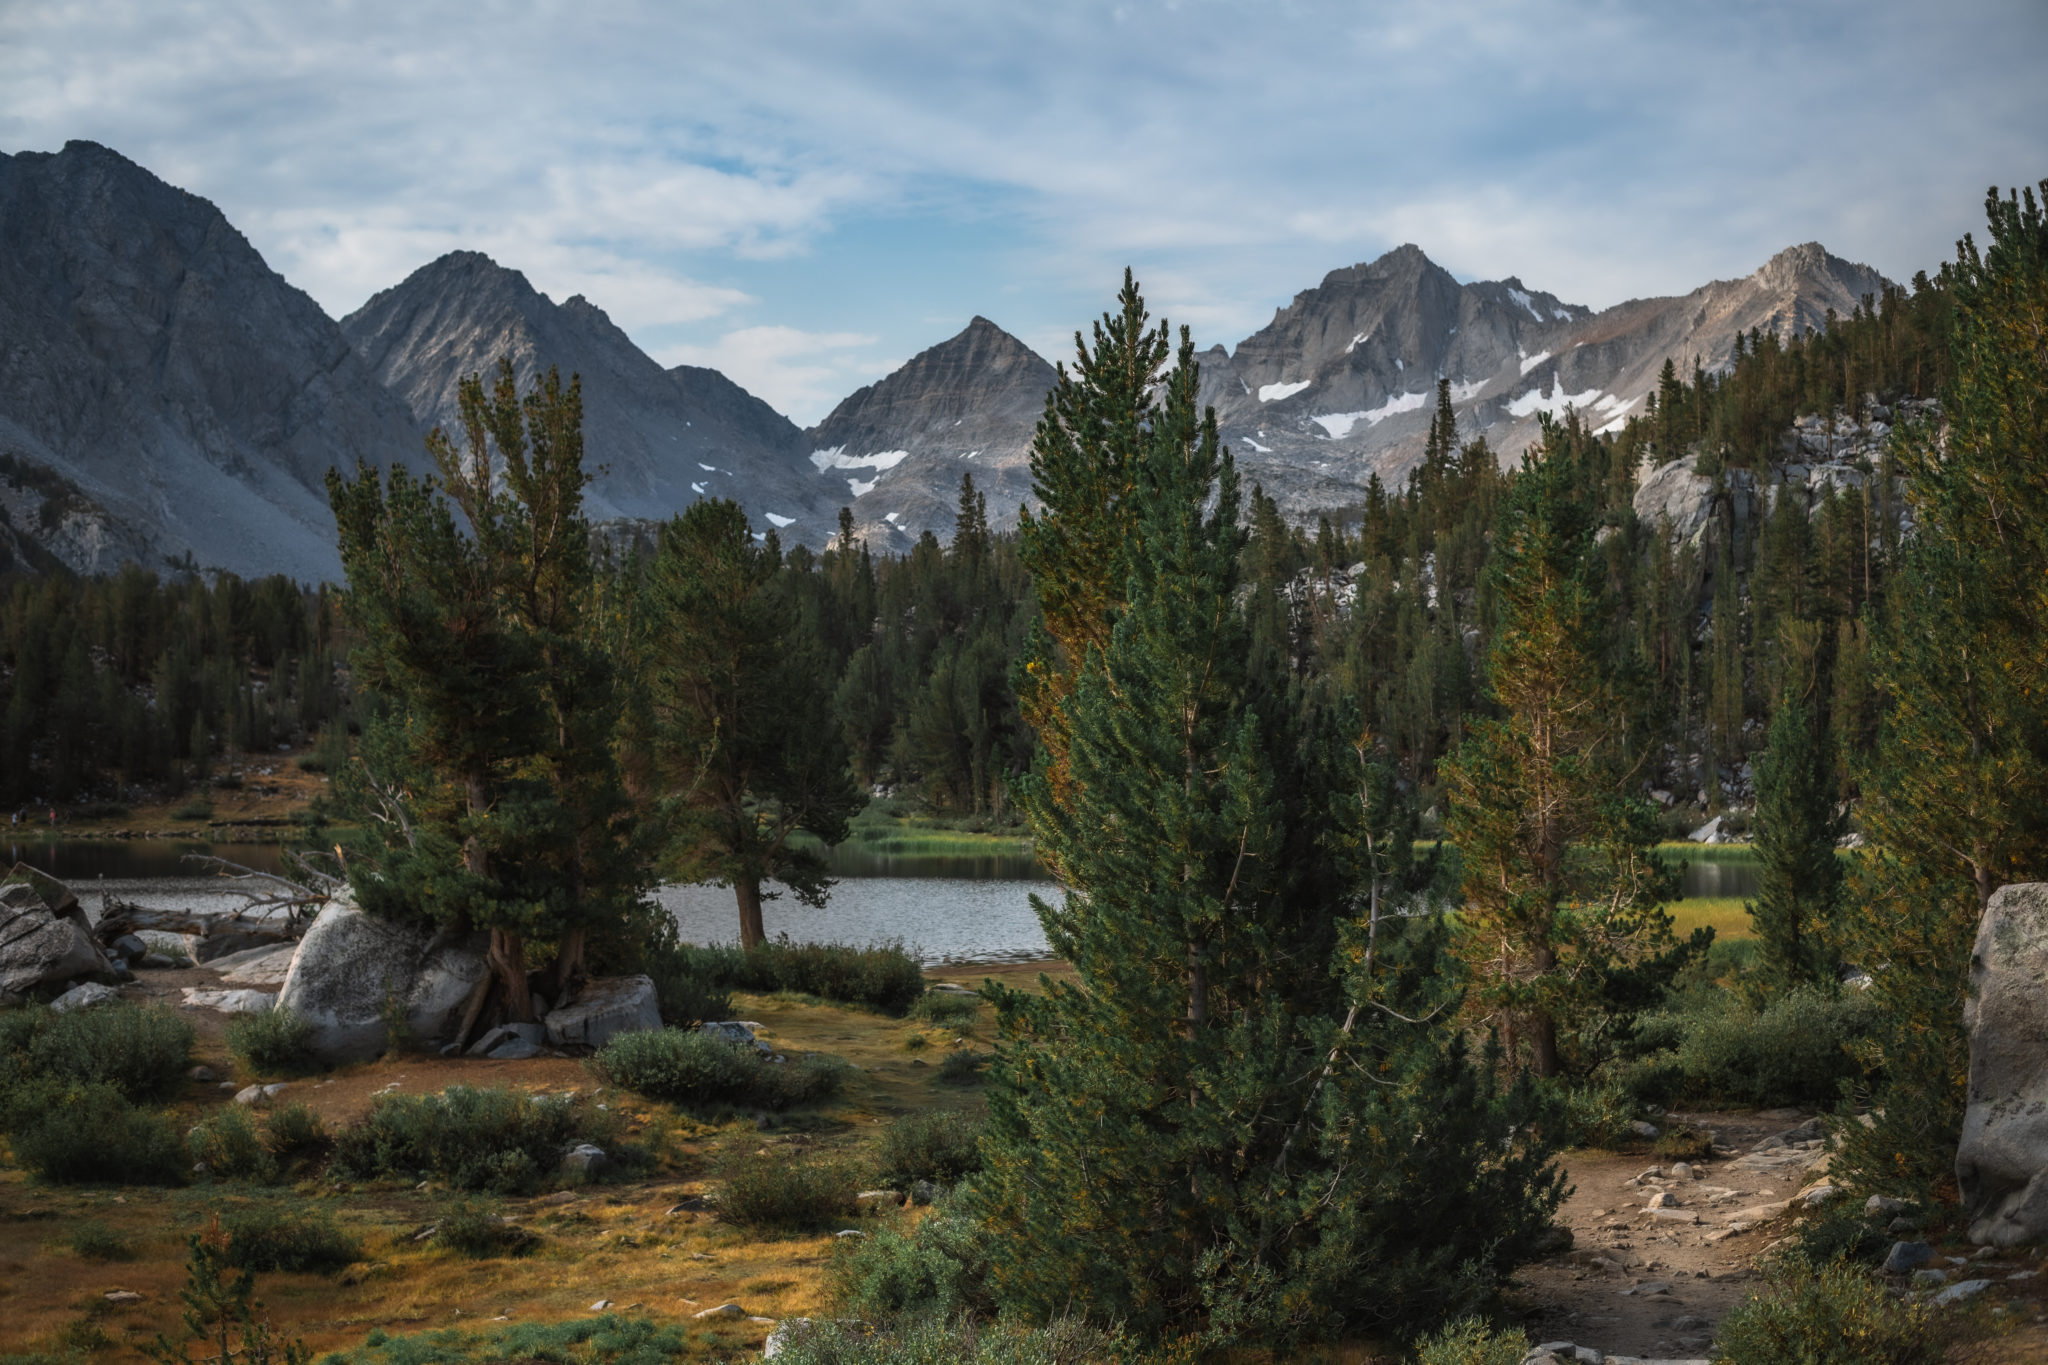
(1273, 393)
(1535, 400)
(1263, 450)
(1519, 297)
(1462, 392)
(1339, 424)
(1398, 365)
(860, 489)
(837, 458)
(779, 522)
(1562, 315)
(1356, 342)
(698, 489)
(707, 468)
(1533, 361)
(891, 518)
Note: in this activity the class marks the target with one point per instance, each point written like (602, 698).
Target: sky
(806, 195)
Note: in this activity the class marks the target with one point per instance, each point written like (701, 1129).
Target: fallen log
(122, 917)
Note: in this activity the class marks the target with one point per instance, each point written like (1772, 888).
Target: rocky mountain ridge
(166, 398)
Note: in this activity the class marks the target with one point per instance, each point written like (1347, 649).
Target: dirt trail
(1655, 1283)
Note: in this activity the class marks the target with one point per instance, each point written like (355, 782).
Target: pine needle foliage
(1956, 796)
(1250, 1096)
(1799, 878)
(1562, 882)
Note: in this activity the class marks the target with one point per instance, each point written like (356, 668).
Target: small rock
(880, 1196)
(924, 1192)
(696, 1203)
(1681, 1171)
(1883, 1203)
(586, 1158)
(724, 1310)
(203, 1074)
(600, 1305)
(849, 1232)
(561, 1197)
(1553, 1348)
(1688, 1324)
(123, 1296)
(1647, 1289)
(785, 1332)
(1663, 1199)
(1956, 1293)
(1923, 1278)
(1589, 1355)
(1818, 1195)
(228, 1087)
(2022, 1275)
(1905, 1222)
(505, 1033)
(254, 1096)
(1644, 1129)
(128, 947)
(1907, 1256)
(84, 996)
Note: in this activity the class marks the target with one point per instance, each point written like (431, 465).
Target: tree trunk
(1542, 1028)
(566, 973)
(508, 964)
(748, 890)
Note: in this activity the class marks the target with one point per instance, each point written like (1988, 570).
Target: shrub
(141, 1053)
(883, 976)
(90, 1134)
(273, 1042)
(1592, 1115)
(789, 1196)
(962, 1066)
(1794, 1050)
(688, 1066)
(96, 1241)
(1469, 1341)
(194, 810)
(478, 1139)
(947, 1009)
(939, 1146)
(226, 1143)
(1832, 1312)
(265, 1238)
(475, 1228)
(292, 1131)
(938, 1268)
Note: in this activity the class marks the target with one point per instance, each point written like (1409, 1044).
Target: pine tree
(1956, 796)
(1561, 879)
(1237, 1113)
(742, 701)
(1799, 878)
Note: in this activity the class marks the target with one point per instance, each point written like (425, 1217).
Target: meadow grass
(1725, 915)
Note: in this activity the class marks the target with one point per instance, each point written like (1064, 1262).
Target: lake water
(946, 909)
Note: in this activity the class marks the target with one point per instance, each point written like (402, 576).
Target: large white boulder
(1679, 493)
(2002, 1161)
(350, 964)
(613, 1005)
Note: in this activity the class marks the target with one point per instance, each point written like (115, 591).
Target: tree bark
(566, 973)
(1542, 1028)
(508, 964)
(748, 891)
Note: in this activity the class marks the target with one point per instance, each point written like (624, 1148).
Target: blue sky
(804, 195)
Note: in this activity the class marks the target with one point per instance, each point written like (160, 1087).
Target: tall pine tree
(1799, 878)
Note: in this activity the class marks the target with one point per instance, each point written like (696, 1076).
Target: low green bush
(1719, 1049)
(938, 1268)
(881, 976)
(227, 1145)
(194, 810)
(477, 1229)
(96, 1241)
(606, 1340)
(1818, 1314)
(962, 1066)
(689, 1066)
(91, 1135)
(294, 1131)
(947, 1009)
(1592, 1113)
(789, 1196)
(268, 1238)
(273, 1042)
(495, 1140)
(939, 1145)
(1470, 1341)
(962, 1341)
(140, 1052)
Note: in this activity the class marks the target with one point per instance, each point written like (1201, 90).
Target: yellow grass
(1723, 914)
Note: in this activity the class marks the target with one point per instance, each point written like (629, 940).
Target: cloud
(802, 374)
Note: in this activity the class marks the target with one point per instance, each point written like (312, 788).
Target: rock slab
(2002, 1160)
(607, 1007)
(40, 943)
(350, 963)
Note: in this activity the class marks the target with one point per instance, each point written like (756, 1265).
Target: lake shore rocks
(605, 1007)
(2002, 1160)
(46, 942)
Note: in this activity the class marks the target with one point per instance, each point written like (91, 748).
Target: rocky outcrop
(165, 396)
(352, 967)
(46, 942)
(1678, 494)
(895, 450)
(2002, 1161)
(656, 440)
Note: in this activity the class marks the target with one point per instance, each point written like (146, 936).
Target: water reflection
(941, 919)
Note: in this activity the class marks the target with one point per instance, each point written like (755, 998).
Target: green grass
(1725, 915)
